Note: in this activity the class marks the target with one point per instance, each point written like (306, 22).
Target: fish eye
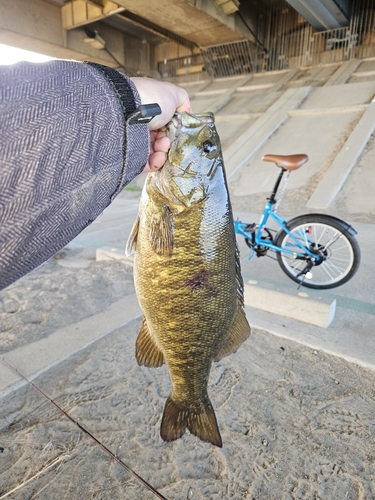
(208, 146)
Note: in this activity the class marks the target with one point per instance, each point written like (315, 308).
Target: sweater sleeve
(66, 151)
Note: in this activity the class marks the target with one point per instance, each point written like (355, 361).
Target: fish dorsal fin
(147, 352)
(131, 244)
(161, 232)
(239, 333)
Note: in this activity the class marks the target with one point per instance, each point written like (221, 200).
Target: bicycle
(314, 250)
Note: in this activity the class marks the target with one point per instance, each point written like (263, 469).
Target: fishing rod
(85, 431)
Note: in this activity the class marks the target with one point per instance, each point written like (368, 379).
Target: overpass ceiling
(185, 20)
(323, 14)
(203, 26)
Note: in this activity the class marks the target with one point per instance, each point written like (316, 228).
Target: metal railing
(292, 42)
(180, 66)
(333, 46)
(222, 60)
(228, 59)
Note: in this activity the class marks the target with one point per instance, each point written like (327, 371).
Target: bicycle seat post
(272, 198)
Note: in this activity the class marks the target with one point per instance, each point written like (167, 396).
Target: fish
(187, 274)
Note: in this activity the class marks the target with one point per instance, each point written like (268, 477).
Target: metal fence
(179, 66)
(333, 45)
(228, 59)
(292, 42)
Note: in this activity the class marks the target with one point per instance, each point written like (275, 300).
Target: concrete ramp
(252, 139)
(324, 111)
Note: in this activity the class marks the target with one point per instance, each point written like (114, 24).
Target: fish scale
(187, 274)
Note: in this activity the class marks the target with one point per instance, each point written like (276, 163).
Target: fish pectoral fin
(161, 232)
(239, 333)
(147, 352)
(200, 422)
(131, 244)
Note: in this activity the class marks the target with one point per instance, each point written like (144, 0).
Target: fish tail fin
(202, 423)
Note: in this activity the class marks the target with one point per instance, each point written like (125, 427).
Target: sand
(296, 423)
(54, 296)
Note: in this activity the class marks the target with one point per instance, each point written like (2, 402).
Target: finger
(162, 144)
(161, 133)
(157, 160)
(185, 106)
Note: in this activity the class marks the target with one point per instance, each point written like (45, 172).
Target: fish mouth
(189, 120)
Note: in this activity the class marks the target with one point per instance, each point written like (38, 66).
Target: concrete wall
(37, 19)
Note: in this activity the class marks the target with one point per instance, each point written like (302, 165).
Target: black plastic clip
(145, 113)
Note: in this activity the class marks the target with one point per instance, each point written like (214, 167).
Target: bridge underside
(324, 14)
(193, 39)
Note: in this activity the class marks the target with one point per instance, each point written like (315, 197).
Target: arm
(66, 151)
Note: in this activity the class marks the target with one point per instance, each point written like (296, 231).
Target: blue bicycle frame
(257, 238)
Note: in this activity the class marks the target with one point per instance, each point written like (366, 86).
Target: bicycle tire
(341, 258)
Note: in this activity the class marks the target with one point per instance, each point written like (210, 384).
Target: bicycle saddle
(291, 162)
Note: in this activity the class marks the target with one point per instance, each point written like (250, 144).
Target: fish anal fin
(147, 352)
(239, 333)
(131, 244)
(161, 232)
(200, 421)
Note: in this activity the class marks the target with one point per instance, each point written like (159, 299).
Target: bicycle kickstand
(303, 273)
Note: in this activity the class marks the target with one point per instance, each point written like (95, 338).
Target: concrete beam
(319, 311)
(205, 26)
(338, 172)
(322, 14)
(81, 12)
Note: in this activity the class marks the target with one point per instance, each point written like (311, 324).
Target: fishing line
(85, 431)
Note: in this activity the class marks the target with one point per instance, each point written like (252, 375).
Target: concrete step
(340, 168)
(242, 149)
(344, 72)
(39, 356)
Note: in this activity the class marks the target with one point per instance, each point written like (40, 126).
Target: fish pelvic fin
(147, 353)
(131, 244)
(200, 422)
(239, 333)
(161, 232)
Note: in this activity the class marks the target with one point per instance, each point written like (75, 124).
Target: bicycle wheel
(338, 253)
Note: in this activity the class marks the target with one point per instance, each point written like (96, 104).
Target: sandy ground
(295, 423)
(54, 296)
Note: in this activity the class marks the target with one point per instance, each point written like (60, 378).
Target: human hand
(170, 99)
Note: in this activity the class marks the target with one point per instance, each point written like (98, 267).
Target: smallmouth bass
(187, 274)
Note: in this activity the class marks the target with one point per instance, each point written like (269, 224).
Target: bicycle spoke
(332, 240)
(333, 266)
(334, 260)
(327, 267)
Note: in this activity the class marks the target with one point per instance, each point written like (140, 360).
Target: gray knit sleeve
(66, 151)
